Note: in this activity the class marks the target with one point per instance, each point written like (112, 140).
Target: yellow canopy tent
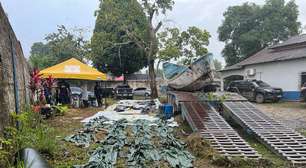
(73, 69)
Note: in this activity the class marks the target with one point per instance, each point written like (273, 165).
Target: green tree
(40, 56)
(218, 64)
(249, 28)
(145, 39)
(152, 8)
(112, 50)
(59, 47)
(185, 46)
(169, 44)
(65, 44)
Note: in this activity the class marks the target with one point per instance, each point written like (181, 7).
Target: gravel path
(292, 114)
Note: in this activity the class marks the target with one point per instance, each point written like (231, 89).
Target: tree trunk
(151, 59)
(154, 93)
(160, 71)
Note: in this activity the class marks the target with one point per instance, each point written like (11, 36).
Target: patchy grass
(302, 131)
(267, 154)
(195, 144)
(199, 147)
(33, 132)
(68, 154)
(163, 99)
(206, 156)
(184, 129)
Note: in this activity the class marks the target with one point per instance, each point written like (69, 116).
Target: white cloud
(33, 19)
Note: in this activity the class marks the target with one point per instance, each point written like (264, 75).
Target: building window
(303, 78)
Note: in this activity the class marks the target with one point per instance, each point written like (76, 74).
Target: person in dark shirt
(98, 93)
(64, 92)
(47, 93)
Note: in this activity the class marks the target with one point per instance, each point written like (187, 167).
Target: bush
(7, 147)
(241, 162)
(199, 147)
(41, 138)
(32, 133)
(60, 110)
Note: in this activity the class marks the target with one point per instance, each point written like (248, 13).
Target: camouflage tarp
(143, 150)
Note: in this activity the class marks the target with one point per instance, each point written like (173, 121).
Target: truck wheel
(259, 98)
(146, 95)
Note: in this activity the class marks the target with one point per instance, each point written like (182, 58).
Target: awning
(73, 69)
(120, 78)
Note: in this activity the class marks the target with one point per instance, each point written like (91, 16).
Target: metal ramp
(209, 123)
(280, 139)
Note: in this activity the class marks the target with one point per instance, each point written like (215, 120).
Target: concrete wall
(9, 45)
(112, 84)
(283, 74)
(286, 75)
(133, 83)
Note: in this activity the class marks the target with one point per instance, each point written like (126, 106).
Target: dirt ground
(68, 154)
(292, 114)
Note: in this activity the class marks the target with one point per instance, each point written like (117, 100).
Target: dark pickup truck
(123, 92)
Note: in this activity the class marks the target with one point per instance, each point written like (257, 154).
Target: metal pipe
(16, 87)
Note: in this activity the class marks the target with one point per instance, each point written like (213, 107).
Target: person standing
(64, 92)
(98, 94)
(47, 93)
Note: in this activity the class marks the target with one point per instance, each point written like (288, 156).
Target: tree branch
(138, 42)
(123, 43)
(158, 27)
(116, 44)
(152, 11)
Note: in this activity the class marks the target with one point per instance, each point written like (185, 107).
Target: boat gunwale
(188, 68)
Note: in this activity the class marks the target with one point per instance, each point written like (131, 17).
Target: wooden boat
(193, 78)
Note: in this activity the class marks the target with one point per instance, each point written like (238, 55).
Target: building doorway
(231, 78)
(303, 78)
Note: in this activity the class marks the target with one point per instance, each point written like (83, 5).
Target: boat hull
(195, 77)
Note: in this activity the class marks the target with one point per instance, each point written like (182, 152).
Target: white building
(282, 65)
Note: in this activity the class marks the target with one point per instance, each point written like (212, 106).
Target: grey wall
(283, 74)
(9, 44)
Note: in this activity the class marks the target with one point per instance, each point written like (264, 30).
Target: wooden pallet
(282, 140)
(204, 119)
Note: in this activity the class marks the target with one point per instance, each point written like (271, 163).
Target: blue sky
(33, 19)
